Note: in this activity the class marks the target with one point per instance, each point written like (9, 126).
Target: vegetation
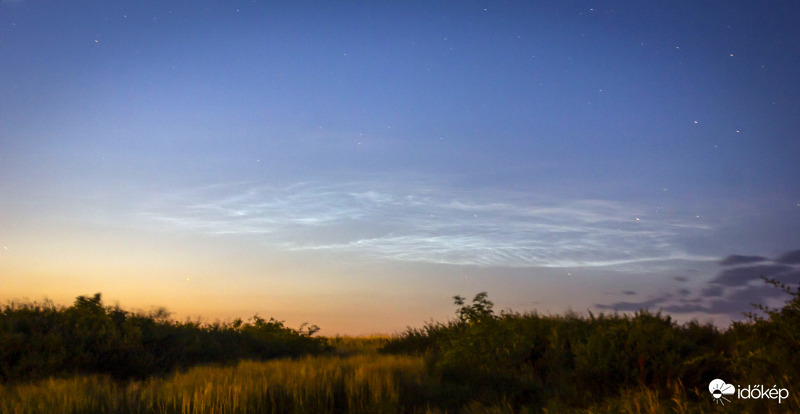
(603, 362)
(355, 384)
(86, 358)
(43, 340)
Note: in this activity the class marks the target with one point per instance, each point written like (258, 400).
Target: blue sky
(356, 164)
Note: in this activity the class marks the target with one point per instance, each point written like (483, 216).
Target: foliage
(323, 384)
(41, 340)
(477, 362)
(360, 345)
(766, 347)
(525, 359)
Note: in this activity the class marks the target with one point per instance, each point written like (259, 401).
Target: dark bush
(529, 359)
(42, 340)
(767, 345)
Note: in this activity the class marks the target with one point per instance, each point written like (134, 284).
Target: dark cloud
(734, 304)
(736, 259)
(741, 301)
(731, 308)
(769, 291)
(792, 278)
(792, 257)
(712, 291)
(739, 276)
(731, 292)
(635, 306)
(625, 306)
(686, 308)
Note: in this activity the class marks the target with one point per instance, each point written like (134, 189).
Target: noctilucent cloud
(356, 164)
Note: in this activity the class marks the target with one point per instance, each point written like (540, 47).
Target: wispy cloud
(412, 220)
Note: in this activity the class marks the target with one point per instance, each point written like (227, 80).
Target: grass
(72, 361)
(348, 345)
(324, 384)
(354, 378)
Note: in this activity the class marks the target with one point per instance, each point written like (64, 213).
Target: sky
(356, 164)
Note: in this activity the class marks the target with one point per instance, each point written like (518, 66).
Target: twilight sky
(356, 164)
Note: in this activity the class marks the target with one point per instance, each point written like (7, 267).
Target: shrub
(524, 359)
(767, 344)
(40, 340)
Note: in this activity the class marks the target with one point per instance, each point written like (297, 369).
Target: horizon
(356, 165)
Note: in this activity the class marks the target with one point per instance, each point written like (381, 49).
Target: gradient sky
(356, 164)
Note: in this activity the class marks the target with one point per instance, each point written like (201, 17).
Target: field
(478, 362)
(329, 384)
(366, 383)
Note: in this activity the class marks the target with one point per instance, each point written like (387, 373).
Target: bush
(767, 344)
(41, 340)
(529, 359)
